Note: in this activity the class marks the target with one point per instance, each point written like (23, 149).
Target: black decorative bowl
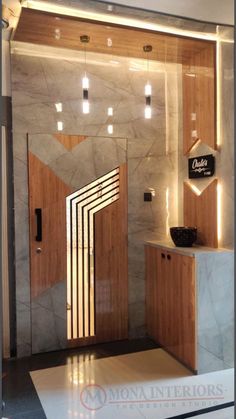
(183, 236)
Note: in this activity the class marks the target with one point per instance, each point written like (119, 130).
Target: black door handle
(168, 257)
(38, 212)
(163, 256)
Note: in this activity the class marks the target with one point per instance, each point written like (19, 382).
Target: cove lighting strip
(119, 20)
(81, 207)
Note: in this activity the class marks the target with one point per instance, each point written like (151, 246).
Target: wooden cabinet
(170, 302)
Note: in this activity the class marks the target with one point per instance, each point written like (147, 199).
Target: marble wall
(46, 76)
(215, 290)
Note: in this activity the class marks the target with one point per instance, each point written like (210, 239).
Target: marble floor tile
(147, 384)
(227, 413)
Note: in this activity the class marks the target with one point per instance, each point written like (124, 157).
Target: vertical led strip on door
(81, 207)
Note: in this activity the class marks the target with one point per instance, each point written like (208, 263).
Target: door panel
(48, 193)
(48, 189)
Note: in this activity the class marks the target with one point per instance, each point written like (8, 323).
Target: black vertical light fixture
(85, 80)
(148, 88)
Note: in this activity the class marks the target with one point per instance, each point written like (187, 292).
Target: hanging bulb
(110, 129)
(148, 112)
(85, 82)
(148, 109)
(86, 107)
(148, 89)
(85, 85)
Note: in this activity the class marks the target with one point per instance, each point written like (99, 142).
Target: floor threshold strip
(202, 411)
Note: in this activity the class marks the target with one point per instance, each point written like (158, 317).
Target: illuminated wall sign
(81, 207)
(201, 166)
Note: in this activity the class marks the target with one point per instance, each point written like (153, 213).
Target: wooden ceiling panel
(44, 28)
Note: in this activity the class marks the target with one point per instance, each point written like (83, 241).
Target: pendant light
(85, 80)
(148, 88)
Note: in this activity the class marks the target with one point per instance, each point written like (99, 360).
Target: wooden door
(48, 195)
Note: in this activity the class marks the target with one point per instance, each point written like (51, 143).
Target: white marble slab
(190, 251)
(149, 384)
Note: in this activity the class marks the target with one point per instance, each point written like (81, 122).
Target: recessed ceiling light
(110, 8)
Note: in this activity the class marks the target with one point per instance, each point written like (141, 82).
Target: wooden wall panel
(48, 192)
(199, 97)
(201, 212)
(70, 141)
(111, 267)
(39, 28)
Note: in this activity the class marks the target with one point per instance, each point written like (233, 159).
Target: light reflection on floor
(149, 384)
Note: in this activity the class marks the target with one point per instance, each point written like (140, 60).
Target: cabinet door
(181, 322)
(156, 295)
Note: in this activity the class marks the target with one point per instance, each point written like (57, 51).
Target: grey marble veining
(49, 319)
(215, 274)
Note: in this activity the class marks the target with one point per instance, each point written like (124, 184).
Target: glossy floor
(148, 384)
(19, 394)
(22, 401)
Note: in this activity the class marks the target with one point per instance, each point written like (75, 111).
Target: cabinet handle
(168, 257)
(163, 256)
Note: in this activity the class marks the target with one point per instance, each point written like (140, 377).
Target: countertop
(190, 251)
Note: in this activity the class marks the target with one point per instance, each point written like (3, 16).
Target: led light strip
(81, 207)
(111, 18)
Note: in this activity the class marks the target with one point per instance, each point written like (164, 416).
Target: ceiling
(215, 11)
(43, 28)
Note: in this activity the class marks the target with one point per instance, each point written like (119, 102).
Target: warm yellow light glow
(81, 207)
(167, 114)
(195, 145)
(190, 74)
(194, 189)
(167, 212)
(111, 18)
(219, 212)
(218, 92)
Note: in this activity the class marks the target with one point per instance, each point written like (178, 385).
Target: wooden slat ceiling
(42, 28)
